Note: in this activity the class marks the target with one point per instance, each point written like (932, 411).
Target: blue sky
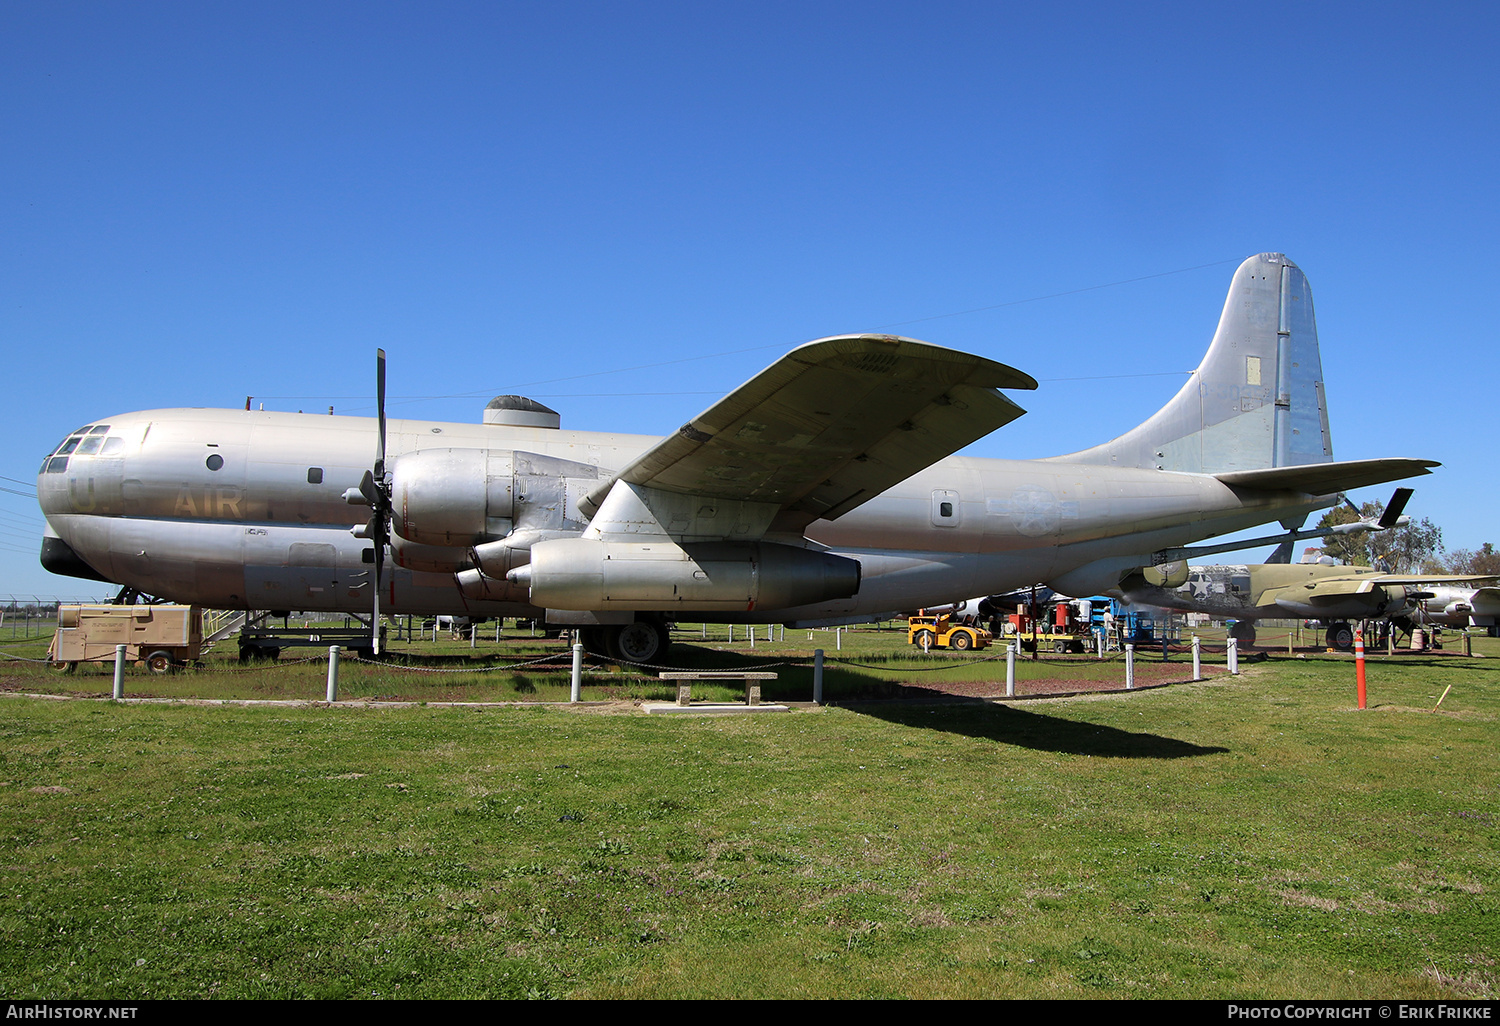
(200, 202)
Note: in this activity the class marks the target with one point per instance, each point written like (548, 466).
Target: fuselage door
(946, 510)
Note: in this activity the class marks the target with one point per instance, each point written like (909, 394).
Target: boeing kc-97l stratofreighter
(823, 490)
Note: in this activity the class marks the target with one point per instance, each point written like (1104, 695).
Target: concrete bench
(750, 677)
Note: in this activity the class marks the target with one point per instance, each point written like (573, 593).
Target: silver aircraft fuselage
(245, 509)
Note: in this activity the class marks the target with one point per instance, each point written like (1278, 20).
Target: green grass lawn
(1244, 837)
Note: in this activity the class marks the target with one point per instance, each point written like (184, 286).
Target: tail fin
(1255, 401)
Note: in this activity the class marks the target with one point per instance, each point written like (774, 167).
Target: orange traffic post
(1359, 665)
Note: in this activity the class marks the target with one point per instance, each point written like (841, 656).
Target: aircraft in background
(822, 491)
(1453, 605)
(1336, 596)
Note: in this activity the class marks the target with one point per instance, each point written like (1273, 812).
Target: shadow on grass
(1038, 731)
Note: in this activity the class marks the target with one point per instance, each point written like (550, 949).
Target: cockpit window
(101, 429)
(57, 464)
(69, 445)
(89, 445)
(112, 445)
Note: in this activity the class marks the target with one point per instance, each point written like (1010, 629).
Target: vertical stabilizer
(1255, 401)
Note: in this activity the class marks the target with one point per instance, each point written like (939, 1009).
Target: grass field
(1242, 837)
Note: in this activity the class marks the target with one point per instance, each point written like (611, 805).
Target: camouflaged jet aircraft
(822, 491)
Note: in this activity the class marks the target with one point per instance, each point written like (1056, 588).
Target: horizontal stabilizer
(1327, 478)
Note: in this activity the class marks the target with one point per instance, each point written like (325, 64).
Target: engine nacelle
(1167, 575)
(438, 559)
(451, 497)
(590, 574)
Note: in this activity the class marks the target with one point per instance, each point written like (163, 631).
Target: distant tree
(1401, 550)
(1467, 561)
(1349, 549)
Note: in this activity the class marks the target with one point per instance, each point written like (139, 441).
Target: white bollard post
(1197, 658)
(1234, 655)
(817, 676)
(333, 674)
(1099, 642)
(1010, 670)
(752, 635)
(119, 689)
(577, 687)
(473, 634)
(1129, 667)
(838, 639)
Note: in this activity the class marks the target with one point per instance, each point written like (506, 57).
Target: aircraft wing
(829, 426)
(1326, 591)
(1327, 478)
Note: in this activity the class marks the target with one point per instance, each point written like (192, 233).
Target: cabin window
(367, 556)
(314, 475)
(214, 462)
(945, 509)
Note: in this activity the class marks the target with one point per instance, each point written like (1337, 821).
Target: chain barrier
(916, 669)
(24, 659)
(251, 668)
(447, 669)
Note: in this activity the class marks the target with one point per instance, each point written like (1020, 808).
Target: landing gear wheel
(159, 662)
(960, 641)
(1341, 637)
(1244, 632)
(639, 642)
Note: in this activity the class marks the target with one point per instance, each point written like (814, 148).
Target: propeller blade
(374, 487)
(380, 410)
(367, 490)
(1393, 511)
(379, 566)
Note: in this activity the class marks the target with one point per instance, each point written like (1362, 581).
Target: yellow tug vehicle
(929, 632)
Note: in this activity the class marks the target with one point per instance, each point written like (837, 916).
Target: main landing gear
(644, 641)
(1340, 636)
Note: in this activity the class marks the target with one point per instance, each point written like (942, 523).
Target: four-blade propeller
(375, 491)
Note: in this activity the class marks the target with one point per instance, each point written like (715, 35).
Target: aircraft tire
(159, 661)
(639, 642)
(1244, 633)
(1340, 636)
